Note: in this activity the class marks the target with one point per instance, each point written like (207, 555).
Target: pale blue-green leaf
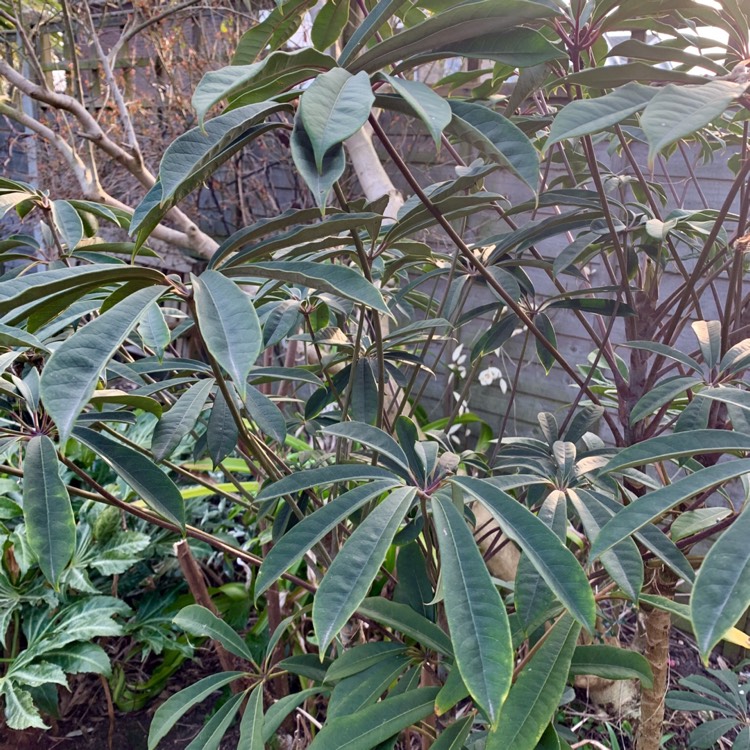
(229, 325)
(353, 570)
(180, 419)
(50, 525)
(311, 529)
(148, 480)
(70, 375)
(431, 108)
(67, 223)
(679, 111)
(649, 507)
(333, 108)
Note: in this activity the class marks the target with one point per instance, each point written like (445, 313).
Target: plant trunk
(657, 625)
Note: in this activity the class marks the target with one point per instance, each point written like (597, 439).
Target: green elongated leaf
(319, 179)
(623, 562)
(544, 324)
(364, 729)
(303, 480)
(736, 359)
(338, 280)
(329, 23)
(382, 11)
(278, 711)
(10, 337)
(180, 419)
(158, 491)
(236, 80)
(679, 111)
(67, 222)
(556, 564)
(50, 525)
(187, 154)
(154, 330)
(667, 351)
(721, 592)
(612, 663)
(742, 740)
(692, 521)
(454, 690)
(660, 395)
(679, 445)
(414, 587)
(453, 30)
(360, 658)
(210, 737)
(409, 437)
(310, 530)
(251, 726)
(305, 665)
(175, 707)
(613, 76)
(476, 615)
(648, 508)
(353, 570)
(273, 31)
(35, 287)
(587, 116)
(69, 378)
(364, 688)
(404, 619)
(733, 396)
(664, 52)
(371, 437)
(454, 736)
(706, 735)
(221, 433)
(333, 108)
(229, 325)
(536, 693)
(431, 108)
(200, 621)
(496, 138)
(265, 414)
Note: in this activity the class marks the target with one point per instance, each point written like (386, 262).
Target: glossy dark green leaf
(302, 480)
(475, 612)
(404, 619)
(50, 525)
(649, 507)
(353, 570)
(414, 587)
(265, 414)
(374, 724)
(536, 693)
(544, 324)
(721, 593)
(454, 690)
(70, 376)
(175, 707)
(360, 658)
(221, 433)
(308, 532)
(251, 726)
(229, 325)
(353, 693)
(556, 564)
(200, 621)
(454, 736)
(612, 663)
(180, 419)
(158, 491)
(371, 437)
